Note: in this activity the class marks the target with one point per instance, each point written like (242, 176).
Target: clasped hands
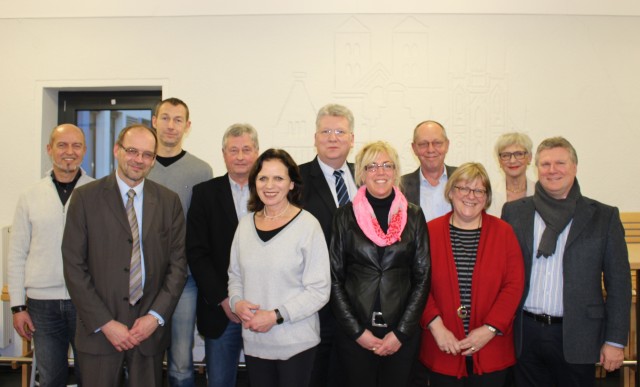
(449, 344)
(123, 338)
(386, 346)
(254, 318)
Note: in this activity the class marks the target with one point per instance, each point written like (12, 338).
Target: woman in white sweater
(278, 275)
(514, 155)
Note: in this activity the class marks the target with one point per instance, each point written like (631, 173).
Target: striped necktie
(341, 188)
(135, 268)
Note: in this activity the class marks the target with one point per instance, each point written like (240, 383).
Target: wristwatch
(279, 319)
(492, 329)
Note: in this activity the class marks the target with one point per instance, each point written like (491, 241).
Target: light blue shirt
(137, 206)
(240, 197)
(432, 200)
(546, 284)
(349, 181)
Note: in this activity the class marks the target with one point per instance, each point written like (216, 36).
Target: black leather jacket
(357, 275)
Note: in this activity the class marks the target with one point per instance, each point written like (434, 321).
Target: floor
(12, 378)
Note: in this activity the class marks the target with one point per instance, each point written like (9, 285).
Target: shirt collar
(328, 171)
(124, 187)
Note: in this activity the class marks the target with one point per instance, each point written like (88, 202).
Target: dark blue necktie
(341, 188)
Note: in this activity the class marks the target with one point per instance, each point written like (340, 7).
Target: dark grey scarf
(556, 215)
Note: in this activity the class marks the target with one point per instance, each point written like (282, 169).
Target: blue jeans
(55, 323)
(183, 322)
(222, 355)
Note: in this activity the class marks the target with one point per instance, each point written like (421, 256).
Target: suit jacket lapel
(321, 187)
(527, 219)
(112, 196)
(149, 205)
(226, 201)
(584, 213)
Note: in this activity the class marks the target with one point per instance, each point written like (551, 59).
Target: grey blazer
(410, 184)
(96, 251)
(595, 247)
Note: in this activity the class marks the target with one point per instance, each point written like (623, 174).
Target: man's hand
(144, 327)
(119, 336)
(23, 324)
(245, 310)
(227, 310)
(611, 357)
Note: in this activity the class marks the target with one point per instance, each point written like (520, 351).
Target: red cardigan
(496, 290)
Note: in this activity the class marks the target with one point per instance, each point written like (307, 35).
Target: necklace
(464, 311)
(264, 213)
(519, 189)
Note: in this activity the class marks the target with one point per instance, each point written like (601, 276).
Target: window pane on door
(101, 129)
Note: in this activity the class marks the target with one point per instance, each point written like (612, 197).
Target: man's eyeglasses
(506, 156)
(134, 153)
(435, 144)
(478, 193)
(328, 132)
(373, 167)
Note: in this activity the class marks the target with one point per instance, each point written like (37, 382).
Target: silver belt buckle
(373, 320)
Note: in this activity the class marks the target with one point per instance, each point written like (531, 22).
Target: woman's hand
(245, 310)
(445, 339)
(390, 345)
(476, 339)
(262, 321)
(368, 341)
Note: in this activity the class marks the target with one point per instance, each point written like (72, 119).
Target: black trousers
(491, 379)
(364, 368)
(293, 372)
(542, 362)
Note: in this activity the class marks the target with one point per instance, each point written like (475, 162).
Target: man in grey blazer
(333, 139)
(565, 324)
(425, 186)
(119, 224)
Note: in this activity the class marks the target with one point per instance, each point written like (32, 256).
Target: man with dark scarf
(565, 324)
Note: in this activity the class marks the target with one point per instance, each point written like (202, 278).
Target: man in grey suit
(425, 186)
(124, 265)
(328, 184)
(565, 324)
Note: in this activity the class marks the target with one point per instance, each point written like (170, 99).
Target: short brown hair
(469, 172)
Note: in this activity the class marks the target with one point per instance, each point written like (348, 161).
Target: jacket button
(126, 269)
(125, 298)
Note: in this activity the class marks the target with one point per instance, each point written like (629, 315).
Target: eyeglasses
(338, 132)
(134, 153)
(506, 156)
(435, 144)
(478, 193)
(373, 167)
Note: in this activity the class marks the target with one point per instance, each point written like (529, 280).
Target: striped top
(464, 244)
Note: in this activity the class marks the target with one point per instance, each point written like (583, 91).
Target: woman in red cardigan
(476, 286)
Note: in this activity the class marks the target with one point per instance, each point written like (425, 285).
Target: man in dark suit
(125, 266)
(569, 242)
(425, 186)
(328, 184)
(216, 207)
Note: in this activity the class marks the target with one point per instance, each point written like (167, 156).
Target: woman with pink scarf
(379, 274)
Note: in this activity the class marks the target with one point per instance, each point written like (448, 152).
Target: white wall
(546, 68)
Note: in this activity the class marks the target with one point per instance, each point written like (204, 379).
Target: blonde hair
(368, 155)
